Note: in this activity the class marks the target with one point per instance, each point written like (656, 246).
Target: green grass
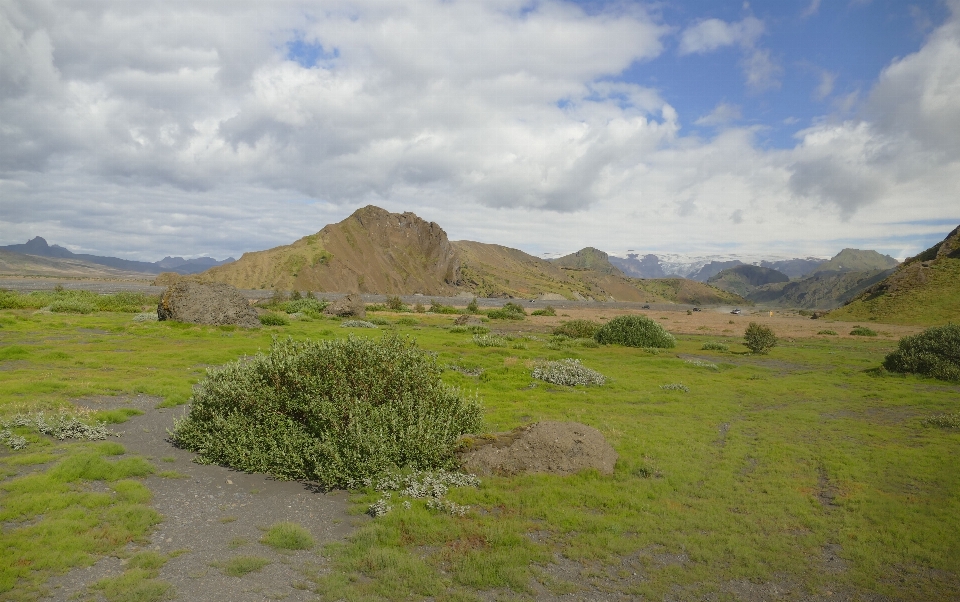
(288, 536)
(726, 475)
(238, 566)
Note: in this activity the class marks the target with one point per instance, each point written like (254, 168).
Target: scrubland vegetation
(735, 468)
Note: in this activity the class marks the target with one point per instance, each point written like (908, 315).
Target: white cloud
(722, 114)
(712, 34)
(825, 87)
(147, 129)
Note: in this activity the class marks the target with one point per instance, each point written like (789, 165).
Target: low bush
(578, 329)
(634, 331)
(568, 372)
(489, 340)
(472, 307)
(510, 311)
(332, 412)
(863, 331)
(713, 346)
(378, 321)
(407, 322)
(288, 536)
(944, 421)
(439, 308)
(759, 338)
(272, 319)
(934, 352)
(829, 332)
(304, 305)
(394, 303)
(71, 301)
(675, 387)
(72, 306)
(546, 311)
(357, 324)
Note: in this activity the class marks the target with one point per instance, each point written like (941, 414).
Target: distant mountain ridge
(39, 247)
(744, 279)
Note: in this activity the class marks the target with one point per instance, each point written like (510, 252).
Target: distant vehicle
(696, 309)
(736, 312)
(646, 307)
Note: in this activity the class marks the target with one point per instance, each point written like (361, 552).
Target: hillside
(821, 290)
(924, 290)
(19, 264)
(712, 269)
(372, 251)
(646, 267)
(855, 260)
(794, 268)
(744, 279)
(587, 259)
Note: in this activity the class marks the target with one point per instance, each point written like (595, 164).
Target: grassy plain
(804, 472)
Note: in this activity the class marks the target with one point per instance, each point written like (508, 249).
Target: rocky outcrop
(215, 304)
(351, 306)
(554, 447)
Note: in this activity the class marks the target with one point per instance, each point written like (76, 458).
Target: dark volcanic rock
(215, 304)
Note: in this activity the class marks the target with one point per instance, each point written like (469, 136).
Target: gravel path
(215, 514)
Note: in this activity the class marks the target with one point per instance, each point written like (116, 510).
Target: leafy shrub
(830, 332)
(510, 311)
(863, 331)
(676, 387)
(394, 303)
(546, 311)
(945, 421)
(304, 305)
(407, 322)
(357, 324)
(72, 306)
(376, 307)
(489, 340)
(578, 329)
(713, 346)
(439, 308)
(272, 319)
(148, 316)
(934, 352)
(568, 372)
(759, 338)
(419, 308)
(634, 331)
(377, 321)
(702, 364)
(332, 412)
(472, 307)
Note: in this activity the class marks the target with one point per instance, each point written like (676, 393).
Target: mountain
(855, 260)
(374, 251)
(587, 259)
(923, 290)
(821, 290)
(38, 247)
(744, 279)
(20, 264)
(647, 267)
(794, 268)
(712, 269)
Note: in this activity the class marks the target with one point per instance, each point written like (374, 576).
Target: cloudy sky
(781, 128)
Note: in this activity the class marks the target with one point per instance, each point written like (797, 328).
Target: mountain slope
(646, 267)
(712, 269)
(372, 251)
(794, 268)
(821, 290)
(588, 259)
(923, 290)
(744, 279)
(855, 260)
(19, 264)
(39, 247)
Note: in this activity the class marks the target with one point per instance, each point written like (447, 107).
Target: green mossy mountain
(588, 258)
(744, 279)
(923, 290)
(855, 260)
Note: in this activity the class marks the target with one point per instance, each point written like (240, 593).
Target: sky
(783, 128)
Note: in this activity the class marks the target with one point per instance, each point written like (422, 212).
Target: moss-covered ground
(804, 471)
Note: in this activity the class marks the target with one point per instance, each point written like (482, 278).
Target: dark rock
(216, 304)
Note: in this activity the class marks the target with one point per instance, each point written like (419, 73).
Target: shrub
(419, 308)
(863, 331)
(72, 306)
(759, 338)
(578, 329)
(702, 364)
(377, 321)
(945, 421)
(634, 331)
(712, 346)
(332, 412)
(472, 307)
(357, 324)
(568, 372)
(676, 387)
(830, 332)
(304, 305)
(489, 340)
(272, 319)
(407, 322)
(510, 311)
(394, 303)
(288, 536)
(934, 352)
(546, 311)
(439, 308)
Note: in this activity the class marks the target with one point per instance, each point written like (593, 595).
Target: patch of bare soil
(215, 514)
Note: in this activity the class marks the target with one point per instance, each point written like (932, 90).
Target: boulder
(351, 306)
(214, 303)
(467, 320)
(553, 447)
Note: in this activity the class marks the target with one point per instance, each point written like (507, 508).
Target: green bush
(72, 306)
(407, 322)
(578, 329)
(394, 303)
(934, 352)
(863, 331)
(288, 536)
(472, 307)
(304, 305)
(634, 331)
(546, 311)
(827, 332)
(72, 301)
(272, 319)
(712, 346)
(333, 412)
(510, 311)
(759, 338)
